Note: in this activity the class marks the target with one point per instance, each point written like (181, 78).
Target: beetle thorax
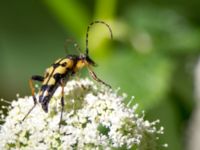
(80, 64)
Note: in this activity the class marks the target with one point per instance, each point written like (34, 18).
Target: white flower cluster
(94, 117)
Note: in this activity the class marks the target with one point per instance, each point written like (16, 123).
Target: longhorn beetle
(59, 72)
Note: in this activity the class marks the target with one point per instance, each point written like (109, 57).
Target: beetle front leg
(33, 78)
(94, 76)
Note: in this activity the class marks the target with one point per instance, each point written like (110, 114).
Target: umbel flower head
(94, 117)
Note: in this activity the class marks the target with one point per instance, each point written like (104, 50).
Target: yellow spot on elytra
(45, 80)
(51, 81)
(60, 70)
(69, 62)
(51, 71)
(48, 71)
(57, 60)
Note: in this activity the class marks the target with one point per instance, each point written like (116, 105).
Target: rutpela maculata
(59, 73)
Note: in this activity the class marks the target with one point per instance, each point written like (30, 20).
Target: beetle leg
(33, 78)
(37, 78)
(94, 76)
(62, 101)
(78, 79)
(78, 75)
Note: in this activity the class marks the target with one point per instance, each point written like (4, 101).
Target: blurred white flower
(94, 117)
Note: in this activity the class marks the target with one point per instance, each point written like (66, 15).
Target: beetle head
(87, 60)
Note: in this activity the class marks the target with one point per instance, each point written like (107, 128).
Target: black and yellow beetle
(60, 71)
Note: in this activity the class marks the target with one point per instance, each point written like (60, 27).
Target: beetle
(59, 72)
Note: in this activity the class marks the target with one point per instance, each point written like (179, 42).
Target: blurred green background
(155, 48)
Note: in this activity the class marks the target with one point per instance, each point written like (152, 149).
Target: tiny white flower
(94, 117)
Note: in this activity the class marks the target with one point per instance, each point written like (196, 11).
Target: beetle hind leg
(36, 78)
(62, 102)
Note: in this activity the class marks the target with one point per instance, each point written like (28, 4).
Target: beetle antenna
(88, 29)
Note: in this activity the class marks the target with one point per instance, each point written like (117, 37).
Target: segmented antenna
(88, 28)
